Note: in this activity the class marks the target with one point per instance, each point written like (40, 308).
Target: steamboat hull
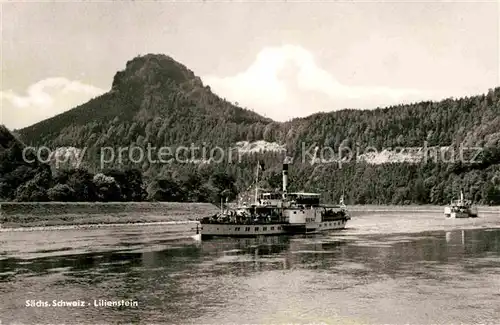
(243, 230)
(465, 213)
(210, 230)
(316, 227)
(459, 215)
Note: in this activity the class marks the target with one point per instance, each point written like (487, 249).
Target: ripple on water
(380, 270)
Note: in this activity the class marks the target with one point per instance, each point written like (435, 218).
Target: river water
(387, 267)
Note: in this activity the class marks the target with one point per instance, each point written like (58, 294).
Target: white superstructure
(276, 213)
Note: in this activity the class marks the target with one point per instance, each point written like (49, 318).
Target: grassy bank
(35, 214)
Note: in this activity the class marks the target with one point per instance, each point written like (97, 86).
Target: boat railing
(241, 222)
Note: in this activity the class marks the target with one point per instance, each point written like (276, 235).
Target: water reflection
(472, 242)
(452, 238)
(189, 281)
(305, 252)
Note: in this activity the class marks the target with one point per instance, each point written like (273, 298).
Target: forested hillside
(16, 174)
(156, 101)
(24, 178)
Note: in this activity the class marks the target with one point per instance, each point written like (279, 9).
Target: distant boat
(460, 208)
(276, 213)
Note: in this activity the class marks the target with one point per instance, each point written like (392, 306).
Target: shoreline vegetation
(75, 215)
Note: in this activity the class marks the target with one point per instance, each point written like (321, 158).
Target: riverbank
(91, 214)
(97, 226)
(43, 214)
(409, 208)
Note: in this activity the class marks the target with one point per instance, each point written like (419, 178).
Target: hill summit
(152, 69)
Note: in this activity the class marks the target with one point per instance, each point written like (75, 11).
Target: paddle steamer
(460, 209)
(276, 213)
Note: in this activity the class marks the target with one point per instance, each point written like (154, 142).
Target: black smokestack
(285, 176)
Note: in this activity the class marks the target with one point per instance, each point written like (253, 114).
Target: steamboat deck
(276, 213)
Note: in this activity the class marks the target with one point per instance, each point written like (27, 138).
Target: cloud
(44, 99)
(267, 88)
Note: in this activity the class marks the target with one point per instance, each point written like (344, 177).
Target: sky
(280, 59)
